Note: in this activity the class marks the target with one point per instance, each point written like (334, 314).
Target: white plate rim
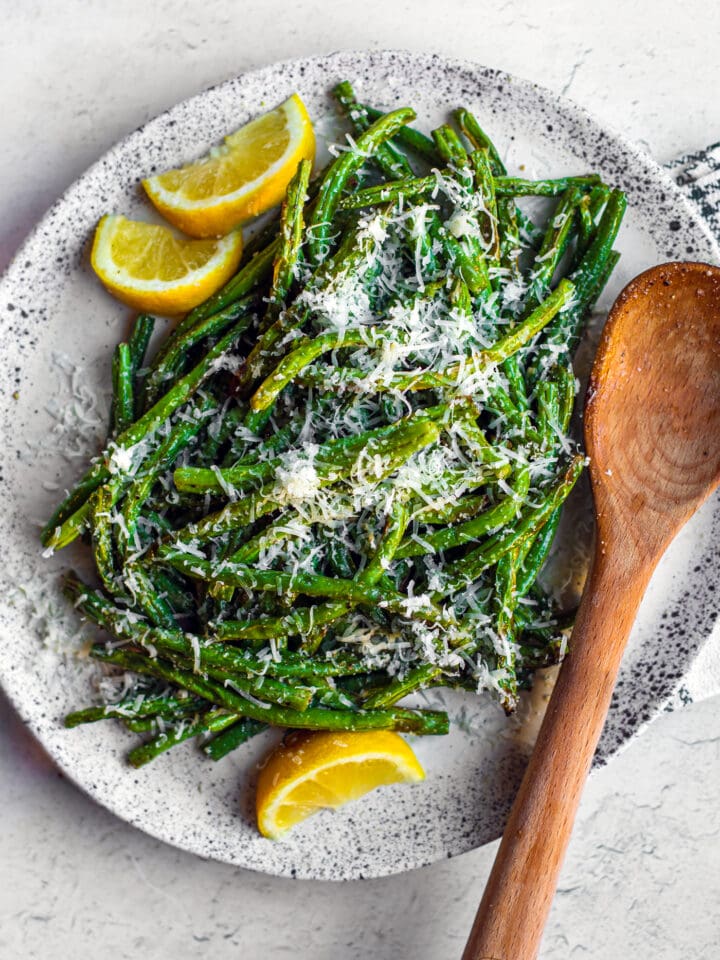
(566, 106)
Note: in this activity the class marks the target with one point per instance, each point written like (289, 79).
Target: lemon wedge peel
(150, 269)
(214, 214)
(298, 764)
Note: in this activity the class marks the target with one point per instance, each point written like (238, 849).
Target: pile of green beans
(337, 481)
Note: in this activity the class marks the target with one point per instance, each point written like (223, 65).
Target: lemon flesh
(151, 269)
(313, 771)
(239, 180)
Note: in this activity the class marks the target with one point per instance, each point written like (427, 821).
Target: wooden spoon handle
(511, 917)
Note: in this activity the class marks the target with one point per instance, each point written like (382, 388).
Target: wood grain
(652, 430)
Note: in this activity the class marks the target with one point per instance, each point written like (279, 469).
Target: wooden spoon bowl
(652, 413)
(652, 431)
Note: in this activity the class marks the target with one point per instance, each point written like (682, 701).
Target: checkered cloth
(698, 175)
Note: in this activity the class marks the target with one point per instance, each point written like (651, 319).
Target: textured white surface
(642, 878)
(474, 771)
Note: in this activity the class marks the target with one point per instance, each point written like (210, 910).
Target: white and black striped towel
(698, 175)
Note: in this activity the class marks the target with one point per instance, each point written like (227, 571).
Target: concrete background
(642, 878)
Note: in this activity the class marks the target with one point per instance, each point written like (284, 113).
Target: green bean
(508, 217)
(466, 253)
(214, 721)
(587, 224)
(553, 246)
(291, 666)
(450, 148)
(348, 163)
(256, 420)
(160, 523)
(139, 339)
(590, 276)
(469, 568)
(590, 207)
(171, 588)
(502, 349)
(395, 525)
(277, 531)
(214, 660)
(534, 322)
(454, 512)
(291, 232)
(464, 424)
(70, 516)
(138, 342)
(548, 402)
(371, 574)
(221, 426)
(531, 233)
(537, 554)
(52, 534)
(147, 476)
(586, 275)
(308, 584)
(466, 260)
(240, 732)
(516, 382)
(505, 602)
(518, 187)
(591, 295)
(123, 401)
(390, 694)
(389, 192)
(408, 136)
(301, 357)
(139, 582)
(564, 376)
(171, 363)
(598, 197)
(391, 162)
(485, 186)
(280, 441)
(166, 706)
(101, 506)
(454, 536)
(524, 331)
(250, 275)
(547, 627)
(340, 560)
(478, 138)
(314, 718)
(340, 519)
(351, 252)
(300, 621)
(391, 451)
(515, 420)
(506, 596)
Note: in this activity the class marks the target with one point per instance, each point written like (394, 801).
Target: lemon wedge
(311, 771)
(244, 177)
(151, 269)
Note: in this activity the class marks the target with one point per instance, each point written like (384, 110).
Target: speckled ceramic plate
(58, 331)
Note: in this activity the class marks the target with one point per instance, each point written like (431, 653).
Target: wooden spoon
(652, 431)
